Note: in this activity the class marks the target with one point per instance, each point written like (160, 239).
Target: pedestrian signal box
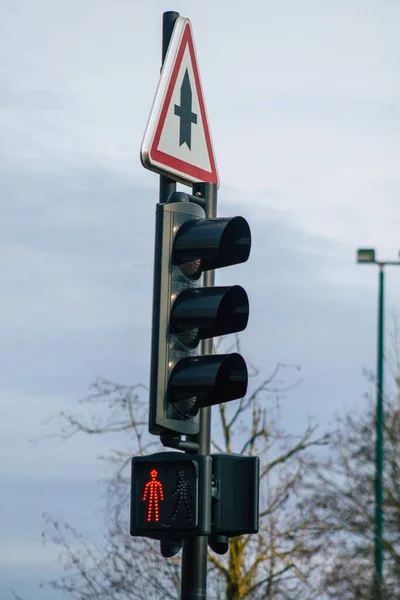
(171, 495)
(235, 510)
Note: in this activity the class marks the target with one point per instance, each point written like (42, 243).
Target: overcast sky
(303, 100)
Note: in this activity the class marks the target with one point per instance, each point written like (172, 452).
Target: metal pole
(167, 185)
(378, 529)
(194, 556)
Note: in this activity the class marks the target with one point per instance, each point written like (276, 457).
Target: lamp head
(366, 255)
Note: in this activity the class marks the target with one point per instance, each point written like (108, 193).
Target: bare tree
(340, 500)
(275, 564)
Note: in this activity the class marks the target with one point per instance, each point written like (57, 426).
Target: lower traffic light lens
(207, 380)
(187, 407)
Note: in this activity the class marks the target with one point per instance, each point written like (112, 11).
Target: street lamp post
(367, 256)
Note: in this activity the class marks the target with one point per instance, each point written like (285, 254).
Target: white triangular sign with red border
(177, 141)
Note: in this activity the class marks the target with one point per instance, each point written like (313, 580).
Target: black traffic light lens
(187, 407)
(191, 269)
(209, 312)
(189, 337)
(212, 379)
(215, 242)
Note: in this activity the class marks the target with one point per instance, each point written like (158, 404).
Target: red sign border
(166, 159)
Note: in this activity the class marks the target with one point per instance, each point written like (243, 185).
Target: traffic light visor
(208, 380)
(216, 242)
(209, 312)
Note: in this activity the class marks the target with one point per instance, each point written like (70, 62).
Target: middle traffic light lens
(209, 312)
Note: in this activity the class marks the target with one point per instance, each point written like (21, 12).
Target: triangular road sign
(177, 140)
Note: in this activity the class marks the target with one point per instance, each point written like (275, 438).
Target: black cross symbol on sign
(184, 112)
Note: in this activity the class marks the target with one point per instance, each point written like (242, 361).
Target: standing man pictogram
(183, 491)
(153, 493)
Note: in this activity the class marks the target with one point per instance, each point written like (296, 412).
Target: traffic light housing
(184, 313)
(235, 509)
(170, 496)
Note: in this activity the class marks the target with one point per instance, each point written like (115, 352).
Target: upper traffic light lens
(215, 242)
(191, 269)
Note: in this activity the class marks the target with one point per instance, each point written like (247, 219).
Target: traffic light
(176, 495)
(182, 381)
(170, 496)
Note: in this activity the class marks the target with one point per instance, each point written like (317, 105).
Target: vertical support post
(167, 185)
(378, 528)
(195, 549)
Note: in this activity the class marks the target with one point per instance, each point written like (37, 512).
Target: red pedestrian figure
(153, 492)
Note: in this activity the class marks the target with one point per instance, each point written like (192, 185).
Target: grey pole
(195, 549)
(167, 185)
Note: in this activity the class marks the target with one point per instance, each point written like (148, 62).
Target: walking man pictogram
(153, 493)
(183, 491)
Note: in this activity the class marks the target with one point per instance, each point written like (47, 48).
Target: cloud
(304, 110)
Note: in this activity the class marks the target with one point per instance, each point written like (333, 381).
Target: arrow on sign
(185, 114)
